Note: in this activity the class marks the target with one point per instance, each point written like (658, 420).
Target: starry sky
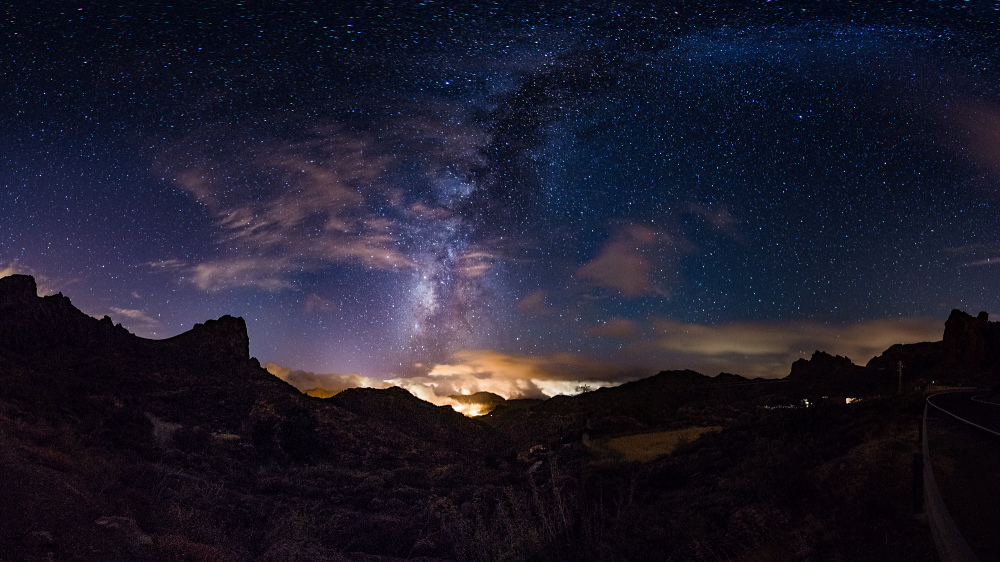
(515, 197)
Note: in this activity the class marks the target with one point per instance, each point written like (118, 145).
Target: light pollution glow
(748, 348)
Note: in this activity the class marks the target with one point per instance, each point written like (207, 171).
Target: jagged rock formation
(833, 375)
(92, 417)
(822, 364)
(31, 324)
(217, 341)
(971, 342)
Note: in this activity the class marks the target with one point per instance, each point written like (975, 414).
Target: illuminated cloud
(534, 303)
(515, 376)
(748, 348)
(43, 283)
(136, 321)
(332, 382)
(476, 263)
(133, 314)
(768, 349)
(472, 371)
(264, 274)
(637, 261)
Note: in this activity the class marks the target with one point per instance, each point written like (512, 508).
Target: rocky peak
(971, 341)
(224, 339)
(30, 323)
(822, 364)
(15, 289)
(226, 333)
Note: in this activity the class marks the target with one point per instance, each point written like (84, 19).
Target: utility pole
(900, 391)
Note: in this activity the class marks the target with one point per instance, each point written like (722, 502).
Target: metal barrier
(950, 545)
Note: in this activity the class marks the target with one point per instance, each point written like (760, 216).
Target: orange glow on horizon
(471, 410)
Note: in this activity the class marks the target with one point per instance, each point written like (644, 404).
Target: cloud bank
(471, 371)
(752, 349)
(331, 382)
(769, 349)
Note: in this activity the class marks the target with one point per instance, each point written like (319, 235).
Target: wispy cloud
(534, 303)
(135, 320)
(977, 254)
(329, 195)
(44, 284)
(637, 261)
(267, 274)
(133, 314)
(985, 261)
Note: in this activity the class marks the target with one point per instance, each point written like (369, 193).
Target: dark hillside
(114, 447)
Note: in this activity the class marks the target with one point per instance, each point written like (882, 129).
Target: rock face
(971, 342)
(223, 340)
(17, 289)
(823, 365)
(29, 323)
(835, 375)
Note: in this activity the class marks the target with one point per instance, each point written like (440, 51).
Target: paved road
(963, 405)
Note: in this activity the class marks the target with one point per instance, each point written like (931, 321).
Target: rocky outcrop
(822, 365)
(218, 341)
(971, 341)
(204, 376)
(29, 323)
(17, 290)
(834, 375)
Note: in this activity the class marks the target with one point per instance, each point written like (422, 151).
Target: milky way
(509, 197)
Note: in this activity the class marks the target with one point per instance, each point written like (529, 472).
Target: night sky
(522, 198)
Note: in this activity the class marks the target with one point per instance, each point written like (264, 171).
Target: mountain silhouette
(116, 447)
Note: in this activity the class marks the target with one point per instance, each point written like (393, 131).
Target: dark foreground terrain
(113, 447)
